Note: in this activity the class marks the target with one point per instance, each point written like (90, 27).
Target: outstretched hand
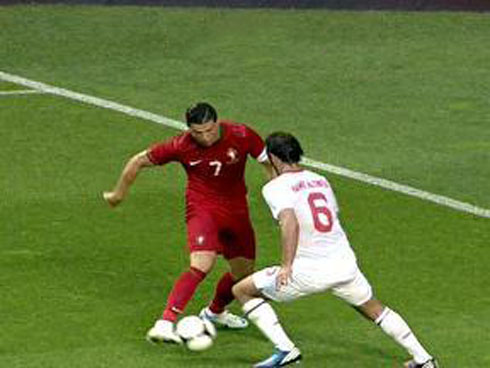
(283, 277)
(112, 198)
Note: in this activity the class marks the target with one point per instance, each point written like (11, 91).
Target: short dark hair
(200, 113)
(284, 146)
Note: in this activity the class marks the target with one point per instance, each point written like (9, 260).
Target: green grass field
(402, 96)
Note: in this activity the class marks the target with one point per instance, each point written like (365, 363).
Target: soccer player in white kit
(316, 257)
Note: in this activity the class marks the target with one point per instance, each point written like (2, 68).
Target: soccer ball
(197, 333)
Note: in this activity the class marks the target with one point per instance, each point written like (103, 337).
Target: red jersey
(215, 175)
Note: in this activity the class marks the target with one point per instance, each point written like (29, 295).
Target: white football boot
(163, 331)
(431, 363)
(225, 318)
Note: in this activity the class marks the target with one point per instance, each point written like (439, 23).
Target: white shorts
(308, 278)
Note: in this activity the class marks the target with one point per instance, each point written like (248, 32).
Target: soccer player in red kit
(213, 153)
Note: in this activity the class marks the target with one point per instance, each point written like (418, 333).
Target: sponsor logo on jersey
(194, 163)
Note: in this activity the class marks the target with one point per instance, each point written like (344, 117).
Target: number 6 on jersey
(322, 217)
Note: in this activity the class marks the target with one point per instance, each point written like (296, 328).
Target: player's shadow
(365, 355)
(335, 352)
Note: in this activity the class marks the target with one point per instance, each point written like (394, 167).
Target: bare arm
(127, 177)
(289, 239)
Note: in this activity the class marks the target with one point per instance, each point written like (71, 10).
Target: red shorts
(229, 235)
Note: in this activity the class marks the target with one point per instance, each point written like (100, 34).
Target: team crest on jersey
(232, 155)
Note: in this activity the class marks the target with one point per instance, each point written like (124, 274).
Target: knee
(237, 290)
(203, 261)
(240, 292)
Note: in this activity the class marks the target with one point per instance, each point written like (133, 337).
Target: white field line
(383, 183)
(19, 92)
(91, 100)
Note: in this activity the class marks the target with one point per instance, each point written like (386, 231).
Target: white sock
(263, 316)
(210, 313)
(394, 325)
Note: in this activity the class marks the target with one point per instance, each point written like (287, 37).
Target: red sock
(223, 295)
(182, 292)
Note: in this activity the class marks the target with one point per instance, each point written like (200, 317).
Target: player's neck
(290, 169)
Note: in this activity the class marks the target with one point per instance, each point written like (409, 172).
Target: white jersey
(310, 195)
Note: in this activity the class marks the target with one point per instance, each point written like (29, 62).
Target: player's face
(205, 134)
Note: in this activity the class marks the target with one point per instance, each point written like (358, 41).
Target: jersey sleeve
(164, 152)
(256, 145)
(276, 198)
